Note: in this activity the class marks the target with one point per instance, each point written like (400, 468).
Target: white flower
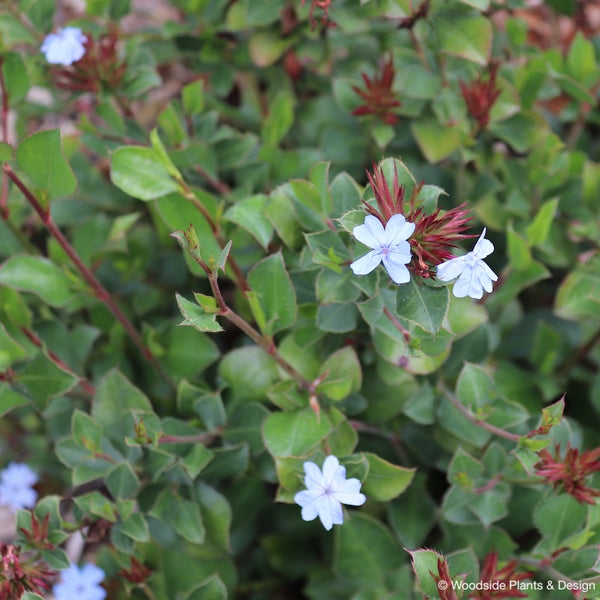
(475, 275)
(389, 245)
(15, 486)
(80, 584)
(65, 46)
(327, 491)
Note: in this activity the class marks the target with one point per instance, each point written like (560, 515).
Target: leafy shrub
(187, 323)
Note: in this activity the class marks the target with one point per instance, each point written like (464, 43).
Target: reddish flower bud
(570, 473)
(480, 96)
(443, 581)
(380, 99)
(137, 572)
(502, 578)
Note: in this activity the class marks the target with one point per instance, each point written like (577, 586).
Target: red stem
(100, 292)
(513, 437)
(4, 123)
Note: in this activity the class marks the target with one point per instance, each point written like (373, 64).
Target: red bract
(100, 67)
(480, 96)
(380, 99)
(434, 234)
(18, 576)
(443, 581)
(137, 572)
(571, 472)
(38, 536)
(502, 577)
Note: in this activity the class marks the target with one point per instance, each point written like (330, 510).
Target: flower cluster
(387, 231)
(19, 575)
(570, 473)
(80, 583)
(326, 491)
(16, 489)
(87, 64)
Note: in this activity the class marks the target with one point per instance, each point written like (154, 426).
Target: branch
(513, 437)
(99, 291)
(4, 124)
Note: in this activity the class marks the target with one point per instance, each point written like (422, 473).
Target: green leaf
(425, 565)
(365, 552)
(141, 173)
(10, 351)
(558, 518)
(436, 141)
(416, 503)
(581, 60)
(250, 372)
(474, 386)
(537, 231)
(337, 317)
(40, 157)
(85, 431)
(276, 295)
(135, 527)
(465, 34)
(424, 305)
(117, 398)
(279, 119)
(192, 97)
(195, 316)
(248, 214)
(187, 520)
(96, 504)
(15, 75)
(9, 399)
(216, 514)
(341, 375)
(6, 152)
(44, 380)
(122, 482)
(385, 480)
(295, 433)
(39, 276)
(212, 589)
(161, 154)
(577, 295)
(518, 249)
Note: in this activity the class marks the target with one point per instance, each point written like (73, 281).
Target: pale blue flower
(473, 274)
(80, 584)
(16, 483)
(326, 491)
(389, 246)
(64, 47)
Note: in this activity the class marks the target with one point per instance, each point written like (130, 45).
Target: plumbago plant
(299, 300)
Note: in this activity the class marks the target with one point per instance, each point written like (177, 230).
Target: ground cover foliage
(181, 330)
